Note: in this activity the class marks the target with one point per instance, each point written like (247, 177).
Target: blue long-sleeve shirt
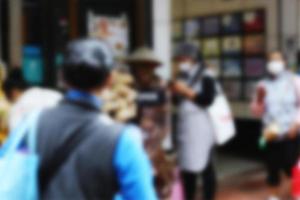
(133, 169)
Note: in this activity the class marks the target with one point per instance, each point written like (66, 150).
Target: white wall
(162, 35)
(162, 44)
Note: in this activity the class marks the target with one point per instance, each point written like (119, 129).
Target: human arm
(204, 98)
(133, 168)
(257, 105)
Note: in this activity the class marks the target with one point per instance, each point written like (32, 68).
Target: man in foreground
(85, 155)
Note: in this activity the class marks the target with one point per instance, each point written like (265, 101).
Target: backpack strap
(197, 76)
(53, 165)
(32, 134)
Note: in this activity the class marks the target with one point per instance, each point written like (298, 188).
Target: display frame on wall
(232, 45)
(211, 26)
(192, 28)
(227, 27)
(247, 75)
(177, 30)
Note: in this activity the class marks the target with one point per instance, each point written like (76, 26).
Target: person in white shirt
(24, 99)
(276, 102)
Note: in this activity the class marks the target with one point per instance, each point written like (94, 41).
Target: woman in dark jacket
(196, 87)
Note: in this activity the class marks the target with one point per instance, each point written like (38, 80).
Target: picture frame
(192, 28)
(231, 23)
(211, 47)
(254, 67)
(254, 44)
(232, 68)
(232, 45)
(254, 21)
(211, 26)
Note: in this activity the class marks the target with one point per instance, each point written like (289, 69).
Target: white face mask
(185, 66)
(275, 67)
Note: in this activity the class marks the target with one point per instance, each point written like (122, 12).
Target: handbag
(19, 166)
(220, 114)
(222, 119)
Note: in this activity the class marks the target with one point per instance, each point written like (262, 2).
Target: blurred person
(83, 153)
(25, 99)
(14, 85)
(277, 101)
(153, 104)
(195, 86)
(152, 99)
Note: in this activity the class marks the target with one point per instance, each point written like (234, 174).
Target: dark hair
(87, 63)
(14, 81)
(83, 77)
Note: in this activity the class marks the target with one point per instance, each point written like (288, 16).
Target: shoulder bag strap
(197, 76)
(64, 152)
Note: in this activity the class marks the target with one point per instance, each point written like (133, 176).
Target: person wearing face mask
(277, 102)
(195, 85)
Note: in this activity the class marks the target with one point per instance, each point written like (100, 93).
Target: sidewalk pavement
(246, 186)
(240, 179)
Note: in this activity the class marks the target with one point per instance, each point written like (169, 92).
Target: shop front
(234, 37)
(34, 33)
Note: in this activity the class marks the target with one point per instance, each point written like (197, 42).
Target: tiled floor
(246, 186)
(240, 179)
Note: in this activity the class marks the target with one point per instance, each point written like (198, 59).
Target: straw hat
(144, 55)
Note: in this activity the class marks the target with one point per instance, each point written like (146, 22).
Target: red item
(296, 181)
(257, 24)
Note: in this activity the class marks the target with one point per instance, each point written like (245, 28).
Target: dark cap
(87, 63)
(187, 49)
(90, 53)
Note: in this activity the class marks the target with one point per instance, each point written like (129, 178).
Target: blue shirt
(133, 168)
(131, 163)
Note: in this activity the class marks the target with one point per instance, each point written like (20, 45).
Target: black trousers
(209, 183)
(281, 156)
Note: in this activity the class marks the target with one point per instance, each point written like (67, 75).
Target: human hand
(181, 88)
(261, 94)
(257, 109)
(271, 132)
(269, 136)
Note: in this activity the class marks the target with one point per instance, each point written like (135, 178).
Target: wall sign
(113, 29)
